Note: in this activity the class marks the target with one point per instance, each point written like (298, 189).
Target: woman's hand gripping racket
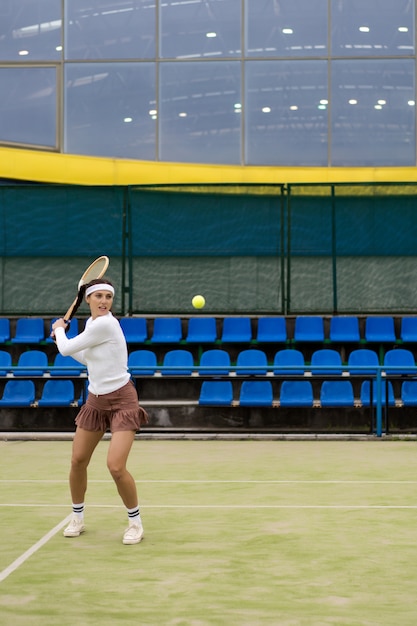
(97, 269)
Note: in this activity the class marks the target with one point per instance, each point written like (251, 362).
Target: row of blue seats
(234, 329)
(342, 329)
(55, 393)
(299, 393)
(252, 361)
(216, 361)
(30, 330)
(35, 363)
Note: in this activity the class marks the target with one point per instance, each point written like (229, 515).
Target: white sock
(134, 516)
(78, 510)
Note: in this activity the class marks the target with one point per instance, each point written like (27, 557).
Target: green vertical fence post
(282, 251)
(334, 250)
(127, 271)
(288, 301)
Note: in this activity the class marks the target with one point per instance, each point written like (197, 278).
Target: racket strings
(96, 270)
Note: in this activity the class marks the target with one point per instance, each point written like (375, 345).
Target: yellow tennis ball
(198, 302)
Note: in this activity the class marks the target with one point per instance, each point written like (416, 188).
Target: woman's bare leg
(84, 444)
(120, 446)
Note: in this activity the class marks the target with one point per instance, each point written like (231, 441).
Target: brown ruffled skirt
(115, 411)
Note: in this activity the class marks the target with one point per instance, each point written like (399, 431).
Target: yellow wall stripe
(47, 167)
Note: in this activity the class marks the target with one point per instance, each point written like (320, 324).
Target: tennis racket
(97, 269)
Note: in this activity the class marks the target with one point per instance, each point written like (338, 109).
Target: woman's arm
(94, 333)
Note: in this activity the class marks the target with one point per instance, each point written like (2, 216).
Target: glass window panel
(110, 109)
(372, 27)
(286, 112)
(110, 29)
(200, 106)
(202, 28)
(290, 28)
(30, 30)
(373, 112)
(28, 105)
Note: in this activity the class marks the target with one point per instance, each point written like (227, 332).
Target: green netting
(267, 249)
(204, 224)
(60, 221)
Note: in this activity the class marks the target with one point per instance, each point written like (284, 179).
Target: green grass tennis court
(237, 533)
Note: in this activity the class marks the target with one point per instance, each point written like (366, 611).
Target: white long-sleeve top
(102, 348)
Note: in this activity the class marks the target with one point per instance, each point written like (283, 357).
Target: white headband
(99, 287)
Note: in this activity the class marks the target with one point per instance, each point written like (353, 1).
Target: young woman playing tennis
(112, 403)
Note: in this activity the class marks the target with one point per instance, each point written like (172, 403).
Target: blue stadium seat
(5, 362)
(178, 363)
(134, 329)
(409, 392)
(256, 393)
(408, 332)
(325, 357)
(251, 362)
(365, 393)
(61, 362)
(57, 393)
(201, 330)
(296, 393)
(216, 393)
(236, 329)
(401, 358)
(288, 357)
(336, 393)
(362, 357)
(216, 361)
(35, 363)
(29, 330)
(272, 330)
(4, 329)
(309, 328)
(167, 330)
(142, 363)
(18, 393)
(344, 329)
(380, 329)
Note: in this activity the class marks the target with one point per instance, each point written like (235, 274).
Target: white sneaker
(74, 528)
(133, 534)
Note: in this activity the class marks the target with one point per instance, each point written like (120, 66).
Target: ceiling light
(211, 35)
(266, 109)
(352, 101)
(378, 107)
(382, 101)
(403, 29)
(324, 101)
(287, 31)
(411, 103)
(153, 112)
(364, 29)
(182, 114)
(23, 53)
(128, 119)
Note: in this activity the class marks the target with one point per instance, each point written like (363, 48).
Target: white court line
(225, 482)
(26, 555)
(223, 506)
